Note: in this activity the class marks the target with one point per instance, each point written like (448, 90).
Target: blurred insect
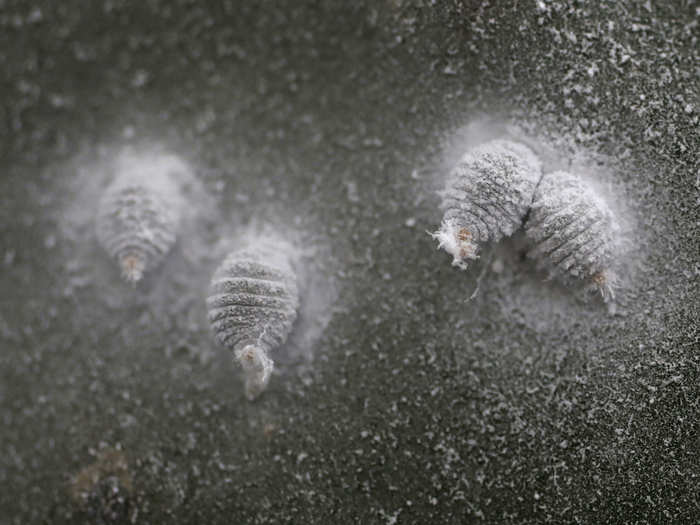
(573, 230)
(486, 197)
(139, 217)
(252, 306)
(103, 491)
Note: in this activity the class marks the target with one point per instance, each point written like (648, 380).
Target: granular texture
(252, 307)
(573, 230)
(138, 220)
(486, 197)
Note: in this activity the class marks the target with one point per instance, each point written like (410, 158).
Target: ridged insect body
(573, 231)
(252, 307)
(138, 220)
(486, 197)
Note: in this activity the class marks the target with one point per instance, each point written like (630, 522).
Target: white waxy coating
(138, 219)
(252, 305)
(573, 230)
(486, 197)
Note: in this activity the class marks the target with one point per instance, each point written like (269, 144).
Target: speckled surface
(411, 404)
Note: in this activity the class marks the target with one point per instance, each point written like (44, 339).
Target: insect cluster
(253, 299)
(253, 302)
(498, 188)
(252, 307)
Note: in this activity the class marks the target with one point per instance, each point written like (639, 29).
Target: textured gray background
(525, 405)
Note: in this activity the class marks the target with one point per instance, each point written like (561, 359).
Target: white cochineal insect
(139, 216)
(486, 197)
(252, 306)
(573, 231)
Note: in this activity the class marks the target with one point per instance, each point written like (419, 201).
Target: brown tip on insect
(268, 430)
(257, 367)
(132, 267)
(464, 234)
(603, 283)
(457, 242)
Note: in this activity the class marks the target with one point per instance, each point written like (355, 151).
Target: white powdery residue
(459, 246)
(257, 367)
(139, 215)
(486, 197)
(574, 232)
(252, 304)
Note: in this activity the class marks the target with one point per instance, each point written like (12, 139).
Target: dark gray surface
(525, 405)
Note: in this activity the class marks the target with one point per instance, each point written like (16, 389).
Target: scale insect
(252, 306)
(139, 217)
(486, 197)
(573, 230)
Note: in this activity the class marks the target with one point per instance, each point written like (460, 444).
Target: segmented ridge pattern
(135, 220)
(489, 192)
(253, 299)
(572, 229)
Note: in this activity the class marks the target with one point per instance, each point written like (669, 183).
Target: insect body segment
(252, 307)
(497, 188)
(138, 221)
(573, 231)
(486, 197)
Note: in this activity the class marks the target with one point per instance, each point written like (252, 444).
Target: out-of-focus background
(400, 401)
